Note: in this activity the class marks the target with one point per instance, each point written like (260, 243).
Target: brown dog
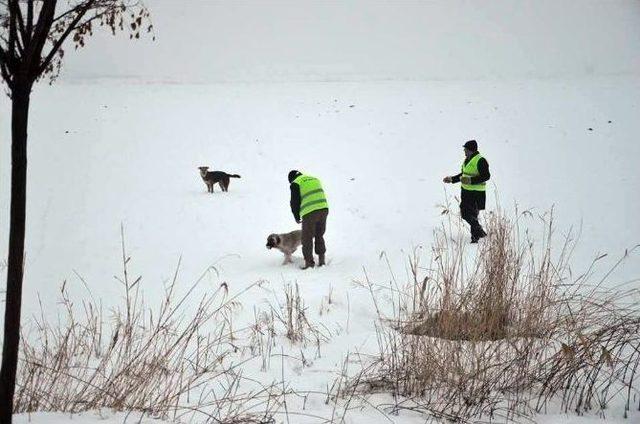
(212, 177)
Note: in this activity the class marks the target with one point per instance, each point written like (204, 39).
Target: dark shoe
(308, 265)
(321, 260)
(474, 239)
(482, 234)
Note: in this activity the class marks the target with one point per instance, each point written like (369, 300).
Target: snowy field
(112, 153)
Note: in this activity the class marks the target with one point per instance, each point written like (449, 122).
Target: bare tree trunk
(19, 120)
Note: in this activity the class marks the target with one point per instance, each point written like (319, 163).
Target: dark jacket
(295, 201)
(474, 199)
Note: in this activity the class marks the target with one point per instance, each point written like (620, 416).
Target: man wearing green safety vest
(474, 177)
(309, 205)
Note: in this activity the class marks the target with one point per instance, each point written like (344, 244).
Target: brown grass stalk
(504, 332)
(172, 362)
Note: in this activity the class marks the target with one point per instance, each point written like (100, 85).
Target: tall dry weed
(504, 331)
(175, 361)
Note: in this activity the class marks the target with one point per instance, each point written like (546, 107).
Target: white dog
(286, 243)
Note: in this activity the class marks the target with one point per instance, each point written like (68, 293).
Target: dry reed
(173, 362)
(503, 333)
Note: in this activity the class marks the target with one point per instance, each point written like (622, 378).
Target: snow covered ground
(109, 153)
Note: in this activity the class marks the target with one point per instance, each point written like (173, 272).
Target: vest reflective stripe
(319, 190)
(312, 197)
(470, 169)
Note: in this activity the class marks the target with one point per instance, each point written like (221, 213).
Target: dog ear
(278, 240)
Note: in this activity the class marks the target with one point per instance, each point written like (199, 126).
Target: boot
(321, 260)
(476, 237)
(308, 265)
(477, 234)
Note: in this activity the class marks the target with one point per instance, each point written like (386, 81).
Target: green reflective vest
(470, 169)
(312, 197)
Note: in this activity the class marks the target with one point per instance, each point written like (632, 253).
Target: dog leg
(287, 259)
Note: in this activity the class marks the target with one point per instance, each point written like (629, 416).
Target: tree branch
(5, 71)
(7, 53)
(72, 26)
(69, 12)
(40, 36)
(6, 76)
(21, 27)
(29, 21)
(20, 45)
(20, 42)
(13, 5)
(33, 46)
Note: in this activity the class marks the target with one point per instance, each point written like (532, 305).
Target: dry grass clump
(506, 331)
(286, 319)
(505, 290)
(294, 317)
(173, 362)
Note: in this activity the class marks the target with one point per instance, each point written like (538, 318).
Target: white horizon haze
(304, 40)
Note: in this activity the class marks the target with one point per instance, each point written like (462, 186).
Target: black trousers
(471, 203)
(313, 227)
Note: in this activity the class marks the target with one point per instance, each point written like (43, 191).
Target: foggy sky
(209, 40)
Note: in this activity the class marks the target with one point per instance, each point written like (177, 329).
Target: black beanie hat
(293, 174)
(471, 145)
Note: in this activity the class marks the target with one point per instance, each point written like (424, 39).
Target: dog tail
(234, 176)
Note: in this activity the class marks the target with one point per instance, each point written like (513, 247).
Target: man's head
(293, 174)
(470, 147)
